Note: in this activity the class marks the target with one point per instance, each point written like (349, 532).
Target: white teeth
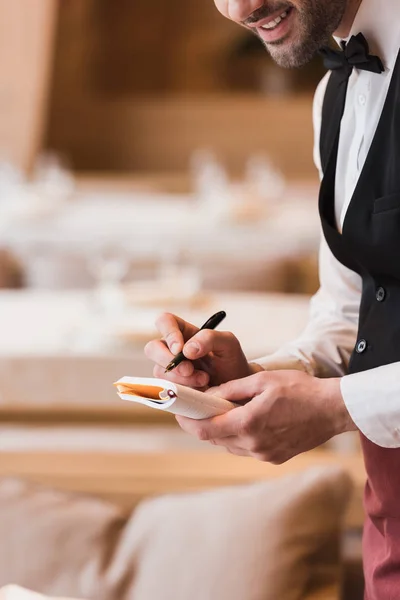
(276, 21)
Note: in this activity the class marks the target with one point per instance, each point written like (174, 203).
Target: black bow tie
(354, 54)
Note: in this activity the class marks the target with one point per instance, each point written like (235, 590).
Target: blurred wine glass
(211, 184)
(108, 264)
(11, 181)
(52, 177)
(178, 273)
(264, 178)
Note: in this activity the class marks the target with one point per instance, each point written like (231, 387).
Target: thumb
(221, 343)
(174, 331)
(239, 390)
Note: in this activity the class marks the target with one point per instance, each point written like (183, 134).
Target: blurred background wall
(138, 86)
(26, 47)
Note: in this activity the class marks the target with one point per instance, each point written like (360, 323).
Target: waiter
(343, 373)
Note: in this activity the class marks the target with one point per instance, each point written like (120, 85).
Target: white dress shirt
(324, 348)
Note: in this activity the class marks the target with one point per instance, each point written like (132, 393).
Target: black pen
(211, 323)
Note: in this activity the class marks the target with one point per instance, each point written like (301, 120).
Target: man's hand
(214, 357)
(286, 413)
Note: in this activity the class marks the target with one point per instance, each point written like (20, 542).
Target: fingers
(175, 331)
(220, 343)
(197, 379)
(158, 352)
(203, 429)
(224, 426)
(242, 390)
(232, 448)
(232, 445)
(202, 346)
(185, 373)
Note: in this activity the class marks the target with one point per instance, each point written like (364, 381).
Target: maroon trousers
(381, 541)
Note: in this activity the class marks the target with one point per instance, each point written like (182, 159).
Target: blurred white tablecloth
(34, 323)
(55, 243)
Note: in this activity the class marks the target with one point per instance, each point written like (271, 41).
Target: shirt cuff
(282, 362)
(373, 401)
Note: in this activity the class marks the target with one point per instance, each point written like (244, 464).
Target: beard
(316, 21)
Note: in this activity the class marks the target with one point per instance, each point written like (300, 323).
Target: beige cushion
(266, 541)
(57, 543)
(270, 540)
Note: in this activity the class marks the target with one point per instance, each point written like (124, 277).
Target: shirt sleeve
(373, 401)
(325, 346)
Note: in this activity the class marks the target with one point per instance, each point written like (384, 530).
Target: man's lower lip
(280, 31)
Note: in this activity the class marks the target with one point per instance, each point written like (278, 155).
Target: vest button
(380, 294)
(361, 346)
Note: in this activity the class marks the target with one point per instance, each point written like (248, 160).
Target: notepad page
(184, 401)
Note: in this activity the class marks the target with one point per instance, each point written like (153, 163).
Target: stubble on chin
(313, 29)
(291, 55)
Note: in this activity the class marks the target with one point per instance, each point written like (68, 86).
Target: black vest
(370, 239)
(370, 245)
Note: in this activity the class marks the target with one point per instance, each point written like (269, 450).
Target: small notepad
(172, 397)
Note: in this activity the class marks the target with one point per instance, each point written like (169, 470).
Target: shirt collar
(379, 22)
